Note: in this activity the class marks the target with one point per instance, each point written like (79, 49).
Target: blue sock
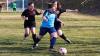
(52, 42)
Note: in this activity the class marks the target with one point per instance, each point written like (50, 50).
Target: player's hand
(76, 10)
(62, 23)
(45, 19)
(41, 11)
(68, 10)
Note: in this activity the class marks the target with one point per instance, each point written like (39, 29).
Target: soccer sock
(34, 37)
(52, 42)
(66, 39)
(63, 37)
(37, 40)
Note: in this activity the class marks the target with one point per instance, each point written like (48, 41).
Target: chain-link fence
(9, 5)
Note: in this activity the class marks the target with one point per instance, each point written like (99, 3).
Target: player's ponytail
(58, 5)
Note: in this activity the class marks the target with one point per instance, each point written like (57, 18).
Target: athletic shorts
(14, 9)
(29, 24)
(44, 30)
(57, 25)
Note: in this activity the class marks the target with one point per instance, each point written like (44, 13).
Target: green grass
(83, 30)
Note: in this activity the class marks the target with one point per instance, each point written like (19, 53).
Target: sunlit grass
(83, 30)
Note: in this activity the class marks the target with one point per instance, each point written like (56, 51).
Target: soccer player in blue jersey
(47, 25)
(29, 20)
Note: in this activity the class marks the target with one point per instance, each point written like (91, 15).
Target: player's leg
(53, 35)
(27, 29)
(27, 32)
(60, 33)
(33, 33)
(42, 32)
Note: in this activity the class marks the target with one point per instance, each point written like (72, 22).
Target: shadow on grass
(84, 51)
(7, 43)
(80, 42)
(55, 53)
(82, 26)
(40, 50)
(87, 42)
(21, 50)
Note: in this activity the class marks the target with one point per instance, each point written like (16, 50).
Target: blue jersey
(50, 16)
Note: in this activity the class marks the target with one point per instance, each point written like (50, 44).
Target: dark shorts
(14, 9)
(29, 24)
(57, 25)
(44, 30)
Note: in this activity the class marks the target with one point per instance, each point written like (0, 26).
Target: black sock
(66, 39)
(63, 37)
(34, 37)
(37, 41)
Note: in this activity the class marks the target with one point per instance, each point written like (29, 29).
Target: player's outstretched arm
(39, 13)
(69, 10)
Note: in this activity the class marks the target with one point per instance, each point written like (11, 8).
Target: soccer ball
(63, 51)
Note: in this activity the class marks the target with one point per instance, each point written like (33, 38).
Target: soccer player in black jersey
(58, 23)
(29, 20)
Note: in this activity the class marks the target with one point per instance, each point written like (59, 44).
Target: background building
(20, 4)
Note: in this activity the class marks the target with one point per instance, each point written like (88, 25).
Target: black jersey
(31, 18)
(59, 11)
(30, 14)
(57, 23)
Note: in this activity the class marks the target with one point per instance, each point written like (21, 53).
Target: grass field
(83, 30)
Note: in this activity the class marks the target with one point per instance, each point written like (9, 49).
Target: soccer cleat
(51, 49)
(37, 45)
(34, 46)
(68, 41)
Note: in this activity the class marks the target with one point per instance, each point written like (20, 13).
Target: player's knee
(54, 34)
(59, 32)
(33, 31)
